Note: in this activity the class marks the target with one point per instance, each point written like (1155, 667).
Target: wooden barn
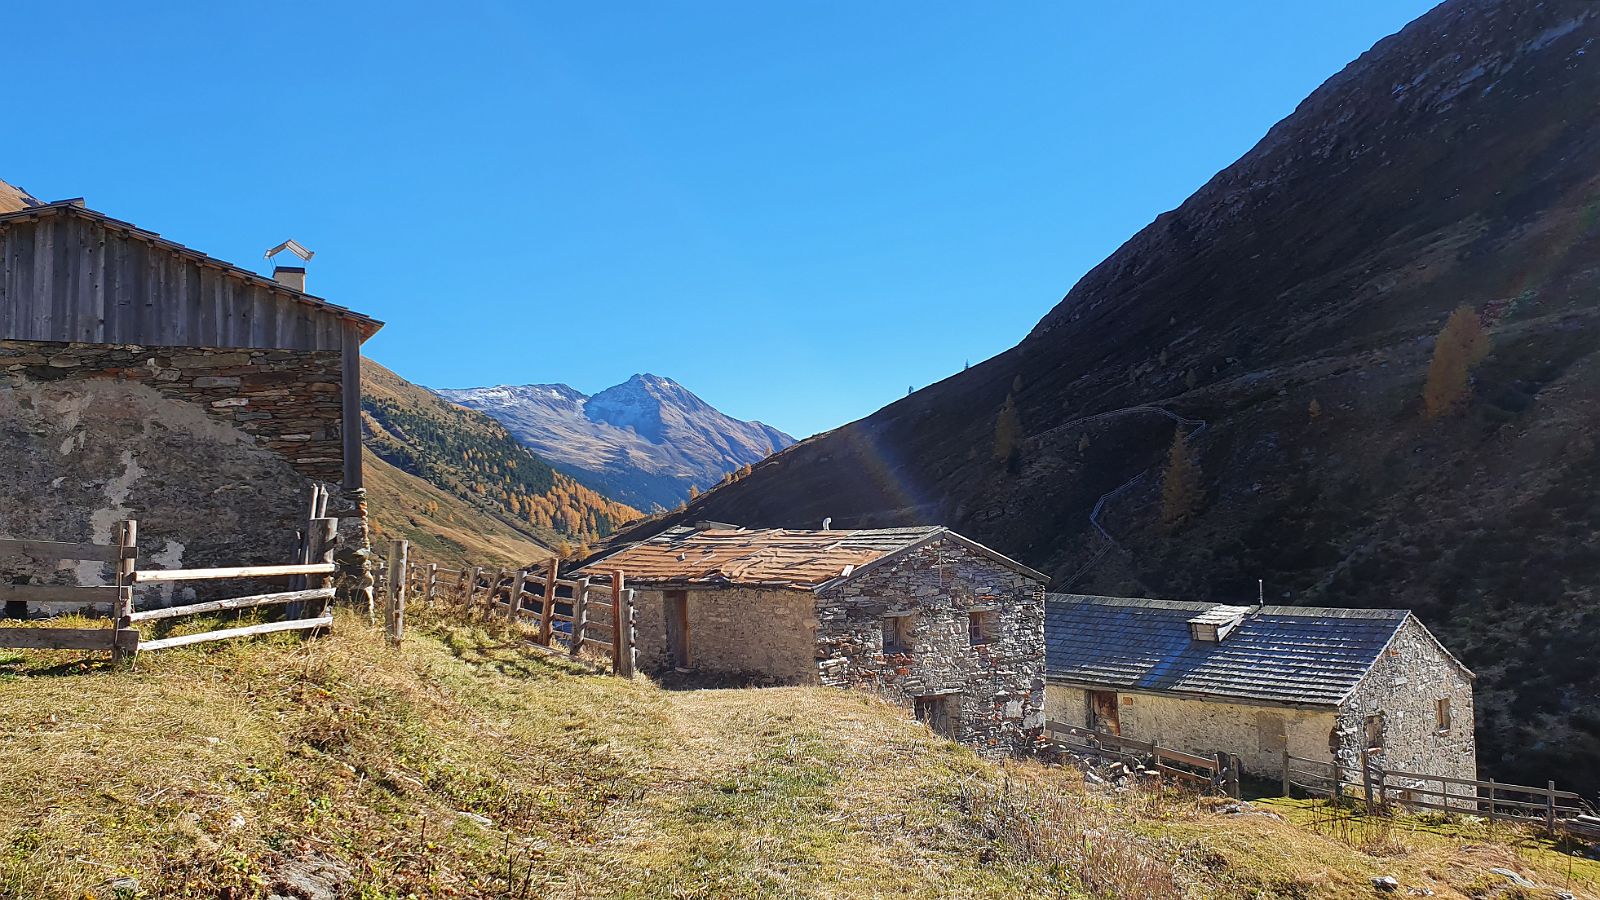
(143, 379)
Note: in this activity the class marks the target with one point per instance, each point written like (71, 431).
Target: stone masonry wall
(1256, 734)
(209, 450)
(746, 631)
(997, 689)
(288, 400)
(1403, 687)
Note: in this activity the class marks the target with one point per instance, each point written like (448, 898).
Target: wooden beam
(57, 594)
(350, 404)
(58, 550)
(249, 631)
(58, 638)
(247, 602)
(152, 576)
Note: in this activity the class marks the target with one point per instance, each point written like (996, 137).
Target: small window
(1375, 732)
(1441, 708)
(980, 627)
(897, 633)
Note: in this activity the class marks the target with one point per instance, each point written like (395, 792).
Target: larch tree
(1008, 435)
(1461, 345)
(1182, 494)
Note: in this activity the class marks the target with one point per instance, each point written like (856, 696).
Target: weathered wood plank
(153, 576)
(58, 550)
(57, 594)
(57, 638)
(247, 602)
(226, 633)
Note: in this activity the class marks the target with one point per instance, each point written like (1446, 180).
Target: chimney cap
(293, 246)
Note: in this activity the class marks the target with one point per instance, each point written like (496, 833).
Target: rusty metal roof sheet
(768, 557)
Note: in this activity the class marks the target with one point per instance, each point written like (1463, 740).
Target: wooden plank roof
(366, 325)
(771, 557)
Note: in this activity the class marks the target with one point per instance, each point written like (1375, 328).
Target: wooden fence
(1219, 774)
(1379, 787)
(313, 562)
(591, 615)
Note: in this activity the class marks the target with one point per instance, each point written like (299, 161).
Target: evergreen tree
(1182, 494)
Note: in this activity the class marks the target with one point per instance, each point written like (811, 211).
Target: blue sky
(797, 210)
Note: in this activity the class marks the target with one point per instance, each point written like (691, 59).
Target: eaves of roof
(367, 325)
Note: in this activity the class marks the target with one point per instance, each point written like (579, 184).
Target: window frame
(1443, 715)
(898, 626)
(982, 625)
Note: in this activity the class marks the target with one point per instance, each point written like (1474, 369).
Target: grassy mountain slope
(1449, 165)
(441, 526)
(463, 765)
(471, 457)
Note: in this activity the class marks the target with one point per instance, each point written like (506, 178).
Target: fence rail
(594, 613)
(1219, 773)
(314, 562)
(1380, 787)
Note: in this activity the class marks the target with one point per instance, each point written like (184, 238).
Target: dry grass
(468, 765)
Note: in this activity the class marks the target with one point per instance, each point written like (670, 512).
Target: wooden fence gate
(1218, 774)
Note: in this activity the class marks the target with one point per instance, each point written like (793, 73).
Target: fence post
(616, 622)
(514, 594)
(433, 583)
(546, 613)
(580, 616)
(1366, 777)
(1338, 779)
(1491, 799)
(324, 537)
(1286, 773)
(472, 589)
(394, 610)
(1233, 777)
(1550, 806)
(630, 656)
(124, 637)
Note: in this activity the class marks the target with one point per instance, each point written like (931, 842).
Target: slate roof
(770, 557)
(1296, 655)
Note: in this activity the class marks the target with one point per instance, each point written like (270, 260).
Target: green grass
(466, 764)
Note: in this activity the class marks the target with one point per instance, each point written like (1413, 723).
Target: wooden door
(677, 618)
(935, 713)
(1103, 712)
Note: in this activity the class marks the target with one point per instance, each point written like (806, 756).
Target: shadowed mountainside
(1291, 304)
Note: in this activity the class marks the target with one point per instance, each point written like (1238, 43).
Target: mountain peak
(646, 440)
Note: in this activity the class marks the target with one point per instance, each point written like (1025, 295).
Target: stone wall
(287, 400)
(1404, 687)
(213, 452)
(769, 633)
(995, 690)
(1256, 734)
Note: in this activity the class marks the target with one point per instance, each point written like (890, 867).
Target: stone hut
(1327, 684)
(142, 379)
(940, 622)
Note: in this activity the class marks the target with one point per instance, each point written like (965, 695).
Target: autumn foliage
(1461, 345)
(1182, 494)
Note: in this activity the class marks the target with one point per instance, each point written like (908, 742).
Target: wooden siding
(70, 278)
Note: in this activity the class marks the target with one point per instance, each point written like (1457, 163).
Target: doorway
(677, 619)
(1103, 712)
(935, 712)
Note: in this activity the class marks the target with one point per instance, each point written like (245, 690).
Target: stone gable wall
(1403, 686)
(997, 689)
(288, 400)
(764, 633)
